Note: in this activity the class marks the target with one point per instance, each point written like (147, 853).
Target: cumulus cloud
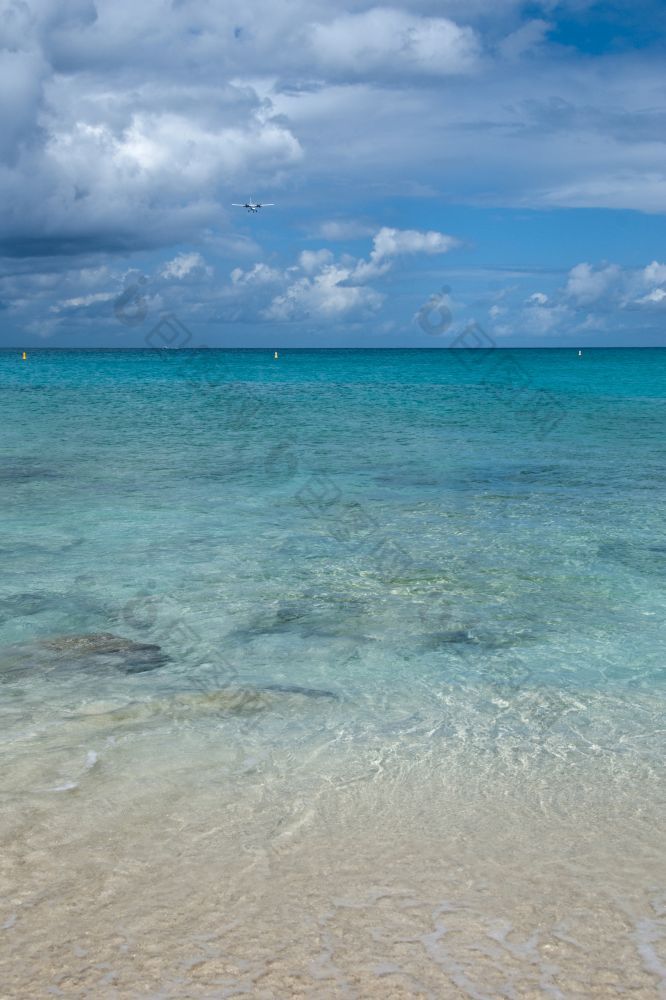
(184, 264)
(656, 297)
(540, 319)
(594, 298)
(325, 295)
(587, 284)
(259, 274)
(111, 144)
(150, 182)
(128, 126)
(322, 286)
(655, 274)
(318, 286)
(611, 286)
(654, 278)
(51, 299)
(314, 260)
(390, 243)
(390, 40)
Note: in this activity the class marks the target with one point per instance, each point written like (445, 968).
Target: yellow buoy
(25, 357)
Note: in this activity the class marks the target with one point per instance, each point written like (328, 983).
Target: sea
(336, 674)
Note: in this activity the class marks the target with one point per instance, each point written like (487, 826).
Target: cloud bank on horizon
(512, 151)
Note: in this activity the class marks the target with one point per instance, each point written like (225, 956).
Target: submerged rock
(133, 657)
(451, 637)
(185, 705)
(333, 616)
(480, 638)
(297, 689)
(192, 705)
(93, 642)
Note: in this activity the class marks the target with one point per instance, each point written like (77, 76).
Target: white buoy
(276, 355)
(580, 354)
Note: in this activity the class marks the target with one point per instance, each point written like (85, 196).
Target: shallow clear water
(337, 675)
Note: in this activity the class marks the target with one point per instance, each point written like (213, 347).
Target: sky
(432, 163)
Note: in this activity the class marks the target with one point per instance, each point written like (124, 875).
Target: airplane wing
(237, 204)
(267, 204)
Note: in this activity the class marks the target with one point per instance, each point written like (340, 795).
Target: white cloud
(324, 287)
(259, 274)
(324, 295)
(612, 286)
(541, 320)
(316, 287)
(655, 274)
(82, 301)
(390, 243)
(587, 284)
(656, 297)
(108, 137)
(604, 298)
(391, 40)
(654, 277)
(196, 152)
(313, 260)
(184, 264)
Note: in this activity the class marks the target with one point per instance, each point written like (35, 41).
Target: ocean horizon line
(378, 350)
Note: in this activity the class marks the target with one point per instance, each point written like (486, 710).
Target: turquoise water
(400, 606)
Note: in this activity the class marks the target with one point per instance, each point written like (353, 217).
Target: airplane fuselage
(252, 206)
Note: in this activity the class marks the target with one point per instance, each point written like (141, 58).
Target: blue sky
(507, 160)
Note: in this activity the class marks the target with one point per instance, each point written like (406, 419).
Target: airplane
(252, 206)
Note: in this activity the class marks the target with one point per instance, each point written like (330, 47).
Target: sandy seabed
(174, 866)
